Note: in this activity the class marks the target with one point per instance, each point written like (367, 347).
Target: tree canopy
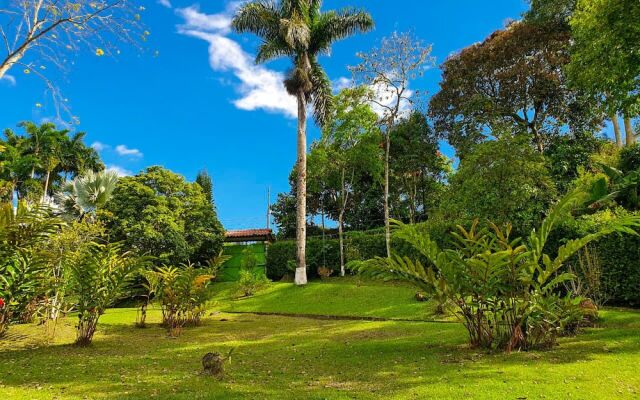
(159, 214)
(512, 83)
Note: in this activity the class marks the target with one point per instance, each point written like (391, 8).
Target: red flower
(1, 302)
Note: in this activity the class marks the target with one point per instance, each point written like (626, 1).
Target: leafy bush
(182, 292)
(618, 256)
(98, 278)
(506, 290)
(23, 271)
(249, 282)
(504, 181)
(358, 246)
(630, 158)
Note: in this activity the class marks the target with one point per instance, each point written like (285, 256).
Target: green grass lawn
(279, 357)
(336, 296)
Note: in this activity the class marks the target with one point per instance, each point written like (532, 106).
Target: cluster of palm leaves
(98, 277)
(35, 164)
(23, 263)
(182, 292)
(85, 194)
(506, 290)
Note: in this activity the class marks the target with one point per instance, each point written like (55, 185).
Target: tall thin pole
(268, 207)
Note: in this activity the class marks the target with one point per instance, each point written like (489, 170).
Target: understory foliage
(250, 282)
(507, 290)
(182, 292)
(23, 271)
(98, 278)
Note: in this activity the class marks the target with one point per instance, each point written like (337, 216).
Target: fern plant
(504, 289)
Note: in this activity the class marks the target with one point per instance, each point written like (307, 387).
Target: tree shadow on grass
(281, 357)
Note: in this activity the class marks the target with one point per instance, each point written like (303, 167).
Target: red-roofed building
(249, 235)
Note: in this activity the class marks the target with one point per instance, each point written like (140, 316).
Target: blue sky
(201, 103)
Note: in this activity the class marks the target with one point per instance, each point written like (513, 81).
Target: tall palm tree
(299, 30)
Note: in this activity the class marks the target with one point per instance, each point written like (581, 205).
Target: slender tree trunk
(616, 130)
(538, 137)
(46, 186)
(301, 201)
(387, 226)
(341, 240)
(628, 130)
(341, 222)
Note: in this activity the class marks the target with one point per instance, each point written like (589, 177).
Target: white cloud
(165, 3)
(119, 170)
(123, 150)
(10, 79)
(260, 87)
(99, 146)
(342, 83)
(385, 97)
(194, 19)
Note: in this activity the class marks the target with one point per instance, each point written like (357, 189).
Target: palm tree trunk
(616, 129)
(46, 186)
(387, 226)
(341, 221)
(301, 201)
(628, 129)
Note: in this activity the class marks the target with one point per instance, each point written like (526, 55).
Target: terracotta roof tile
(248, 233)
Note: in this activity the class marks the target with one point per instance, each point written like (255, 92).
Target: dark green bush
(319, 253)
(278, 255)
(358, 246)
(619, 256)
(630, 158)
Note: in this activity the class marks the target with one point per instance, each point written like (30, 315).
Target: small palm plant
(85, 194)
(504, 289)
(183, 292)
(99, 277)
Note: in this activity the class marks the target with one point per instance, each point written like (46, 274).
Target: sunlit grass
(300, 358)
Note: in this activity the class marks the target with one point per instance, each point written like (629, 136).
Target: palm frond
(335, 25)
(272, 49)
(559, 212)
(260, 17)
(321, 94)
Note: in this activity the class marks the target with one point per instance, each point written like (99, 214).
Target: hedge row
(323, 253)
(358, 246)
(619, 255)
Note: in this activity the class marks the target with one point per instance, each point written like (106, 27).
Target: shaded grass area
(300, 358)
(338, 296)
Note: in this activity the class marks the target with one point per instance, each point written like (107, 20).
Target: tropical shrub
(250, 283)
(506, 290)
(98, 278)
(23, 266)
(182, 292)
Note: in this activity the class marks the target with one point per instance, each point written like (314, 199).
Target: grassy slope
(332, 297)
(284, 357)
